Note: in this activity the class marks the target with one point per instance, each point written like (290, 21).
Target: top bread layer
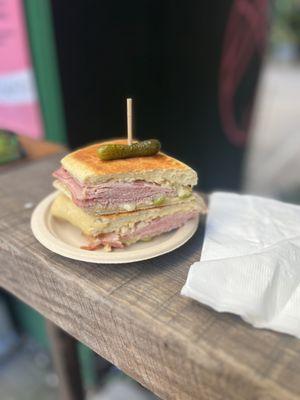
(86, 166)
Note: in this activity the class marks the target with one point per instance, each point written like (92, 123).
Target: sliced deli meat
(114, 193)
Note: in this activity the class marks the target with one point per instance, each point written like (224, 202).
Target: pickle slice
(118, 151)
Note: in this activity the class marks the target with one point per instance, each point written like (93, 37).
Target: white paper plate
(64, 239)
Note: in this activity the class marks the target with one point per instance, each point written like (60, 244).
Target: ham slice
(112, 194)
(106, 239)
(159, 225)
(142, 231)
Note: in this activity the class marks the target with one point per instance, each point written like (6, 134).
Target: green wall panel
(42, 43)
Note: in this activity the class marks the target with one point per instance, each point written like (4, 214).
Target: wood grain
(133, 315)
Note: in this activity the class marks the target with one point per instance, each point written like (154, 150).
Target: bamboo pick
(129, 121)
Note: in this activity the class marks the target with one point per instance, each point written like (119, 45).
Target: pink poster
(19, 106)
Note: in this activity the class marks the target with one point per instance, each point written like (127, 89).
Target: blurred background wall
(273, 160)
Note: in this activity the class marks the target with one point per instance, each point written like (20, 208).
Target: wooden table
(36, 149)
(133, 315)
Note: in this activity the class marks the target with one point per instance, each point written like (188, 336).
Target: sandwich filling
(141, 231)
(122, 229)
(116, 194)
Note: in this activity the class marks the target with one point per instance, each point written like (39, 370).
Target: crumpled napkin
(250, 261)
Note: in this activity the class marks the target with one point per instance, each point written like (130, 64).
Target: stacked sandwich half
(119, 202)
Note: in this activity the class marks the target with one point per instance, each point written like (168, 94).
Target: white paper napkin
(250, 262)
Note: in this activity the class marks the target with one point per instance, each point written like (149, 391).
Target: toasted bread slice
(86, 166)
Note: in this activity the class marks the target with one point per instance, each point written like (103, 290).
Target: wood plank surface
(133, 315)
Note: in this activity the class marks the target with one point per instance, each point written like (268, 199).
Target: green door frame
(43, 52)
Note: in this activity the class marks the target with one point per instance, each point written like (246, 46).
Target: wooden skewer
(129, 121)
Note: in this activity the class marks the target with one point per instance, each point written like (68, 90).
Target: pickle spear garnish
(116, 151)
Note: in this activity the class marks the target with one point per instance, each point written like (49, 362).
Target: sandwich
(122, 229)
(118, 201)
(122, 185)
